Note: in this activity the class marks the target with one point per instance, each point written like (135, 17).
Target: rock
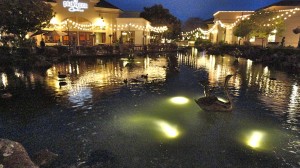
(13, 154)
(44, 157)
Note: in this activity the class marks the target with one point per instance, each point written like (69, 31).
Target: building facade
(224, 24)
(91, 22)
(289, 10)
(221, 26)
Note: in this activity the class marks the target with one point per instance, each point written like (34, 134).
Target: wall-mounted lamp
(100, 22)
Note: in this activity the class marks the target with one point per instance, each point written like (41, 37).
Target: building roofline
(282, 3)
(230, 11)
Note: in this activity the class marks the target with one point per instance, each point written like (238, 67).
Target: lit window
(271, 38)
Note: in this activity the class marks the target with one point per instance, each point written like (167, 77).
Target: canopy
(55, 33)
(39, 32)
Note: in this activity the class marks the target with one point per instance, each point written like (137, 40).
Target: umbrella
(55, 33)
(39, 32)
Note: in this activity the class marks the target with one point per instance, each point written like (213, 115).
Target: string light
(68, 23)
(285, 14)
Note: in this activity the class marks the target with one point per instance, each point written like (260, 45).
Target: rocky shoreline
(14, 155)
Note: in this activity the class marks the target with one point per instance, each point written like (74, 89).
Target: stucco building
(92, 22)
(221, 26)
(224, 22)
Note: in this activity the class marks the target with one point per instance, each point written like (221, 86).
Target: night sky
(183, 9)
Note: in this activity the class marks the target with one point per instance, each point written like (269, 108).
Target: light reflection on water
(135, 121)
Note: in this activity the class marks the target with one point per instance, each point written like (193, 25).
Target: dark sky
(184, 9)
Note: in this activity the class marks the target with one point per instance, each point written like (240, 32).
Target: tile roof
(105, 4)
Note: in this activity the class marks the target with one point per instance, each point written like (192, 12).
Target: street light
(110, 38)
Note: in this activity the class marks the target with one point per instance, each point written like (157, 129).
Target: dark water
(94, 119)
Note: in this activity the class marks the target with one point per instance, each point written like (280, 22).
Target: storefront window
(52, 39)
(128, 36)
(100, 38)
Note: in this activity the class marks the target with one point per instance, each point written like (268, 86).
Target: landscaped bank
(286, 58)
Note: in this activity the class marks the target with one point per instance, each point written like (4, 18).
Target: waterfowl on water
(62, 83)
(213, 103)
(6, 95)
(144, 76)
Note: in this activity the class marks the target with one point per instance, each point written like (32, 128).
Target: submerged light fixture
(179, 100)
(169, 130)
(255, 139)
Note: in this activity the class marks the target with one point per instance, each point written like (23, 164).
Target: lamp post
(110, 38)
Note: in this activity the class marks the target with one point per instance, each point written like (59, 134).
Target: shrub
(4, 50)
(23, 51)
(51, 52)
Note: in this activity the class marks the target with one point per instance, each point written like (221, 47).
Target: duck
(61, 75)
(6, 95)
(144, 76)
(212, 103)
(62, 83)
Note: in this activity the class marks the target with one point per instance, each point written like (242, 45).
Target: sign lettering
(75, 6)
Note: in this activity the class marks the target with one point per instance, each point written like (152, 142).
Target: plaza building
(92, 22)
(224, 22)
(221, 26)
(289, 10)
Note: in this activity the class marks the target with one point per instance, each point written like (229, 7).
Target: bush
(23, 51)
(89, 50)
(62, 49)
(50, 52)
(4, 50)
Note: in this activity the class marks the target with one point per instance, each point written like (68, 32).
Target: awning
(39, 32)
(55, 33)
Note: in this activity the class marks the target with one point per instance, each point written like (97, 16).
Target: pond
(106, 113)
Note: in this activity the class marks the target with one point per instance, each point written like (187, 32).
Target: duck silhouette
(6, 95)
(144, 76)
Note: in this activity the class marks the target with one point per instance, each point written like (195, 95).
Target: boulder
(13, 154)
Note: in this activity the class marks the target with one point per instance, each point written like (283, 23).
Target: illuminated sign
(75, 6)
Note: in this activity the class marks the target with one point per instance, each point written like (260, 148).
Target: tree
(159, 16)
(20, 17)
(193, 23)
(264, 25)
(243, 29)
(297, 31)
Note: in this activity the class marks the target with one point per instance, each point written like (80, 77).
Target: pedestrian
(58, 42)
(42, 45)
(282, 41)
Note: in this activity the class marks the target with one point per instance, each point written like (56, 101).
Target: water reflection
(4, 80)
(136, 116)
